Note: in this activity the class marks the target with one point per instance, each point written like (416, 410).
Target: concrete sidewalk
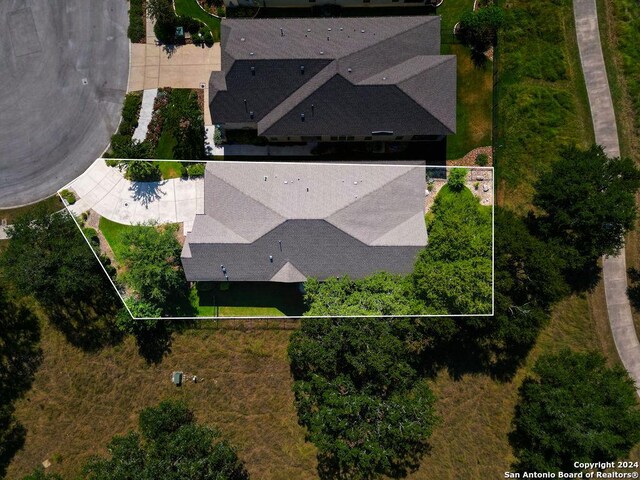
(604, 125)
(146, 113)
(105, 190)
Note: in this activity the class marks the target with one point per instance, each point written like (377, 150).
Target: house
(335, 79)
(286, 222)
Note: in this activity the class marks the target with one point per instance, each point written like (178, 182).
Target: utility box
(176, 378)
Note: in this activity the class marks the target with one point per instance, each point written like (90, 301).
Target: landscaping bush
(457, 179)
(130, 113)
(137, 24)
(195, 170)
(208, 39)
(479, 29)
(141, 171)
(68, 196)
(482, 159)
(92, 236)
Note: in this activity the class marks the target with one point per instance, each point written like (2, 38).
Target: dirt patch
(469, 159)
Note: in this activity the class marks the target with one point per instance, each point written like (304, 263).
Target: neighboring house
(287, 222)
(335, 79)
(341, 3)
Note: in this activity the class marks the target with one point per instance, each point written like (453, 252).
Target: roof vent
(301, 69)
(321, 52)
(285, 182)
(328, 29)
(308, 29)
(253, 71)
(313, 107)
(341, 29)
(242, 39)
(265, 178)
(251, 115)
(384, 78)
(301, 118)
(281, 32)
(271, 258)
(361, 31)
(251, 53)
(349, 70)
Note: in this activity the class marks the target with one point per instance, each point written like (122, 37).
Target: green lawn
(51, 204)
(113, 231)
(474, 103)
(190, 8)
(248, 299)
(170, 169)
(166, 142)
(451, 11)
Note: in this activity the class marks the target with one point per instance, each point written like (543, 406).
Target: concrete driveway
(105, 190)
(63, 70)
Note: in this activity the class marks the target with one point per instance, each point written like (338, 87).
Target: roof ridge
(360, 199)
(439, 60)
(307, 88)
(434, 69)
(403, 32)
(283, 219)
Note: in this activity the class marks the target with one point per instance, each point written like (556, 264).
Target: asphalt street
(63, 71)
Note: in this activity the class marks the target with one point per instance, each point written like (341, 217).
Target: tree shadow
(147, 192)
(12, 438)
(88, 324)
(155, 343)
(478, 58)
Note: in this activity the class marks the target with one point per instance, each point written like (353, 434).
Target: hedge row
(136, 31)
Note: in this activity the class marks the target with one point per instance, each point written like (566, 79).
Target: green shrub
(68, 196)
(482, 159)
(208, 38)
(130, 112)
(136, 31)
(457, 179)
(195, 170)
(92, 236)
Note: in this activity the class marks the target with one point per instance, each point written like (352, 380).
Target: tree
(358, 394)
(479, 29)
(378, 294)
(48, 258)
(457, 179)
(454, 273)
(587, 203)
(153, 266)
(170, 446)
(122, 146)
(20, 357)
(575, 409)
(40, 474)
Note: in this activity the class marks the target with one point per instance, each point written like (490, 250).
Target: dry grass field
(79, 400)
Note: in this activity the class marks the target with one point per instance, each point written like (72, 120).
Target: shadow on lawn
(89, 323)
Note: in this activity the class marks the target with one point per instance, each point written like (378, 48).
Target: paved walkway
(604, 125)
(146, 112)
(105, 190)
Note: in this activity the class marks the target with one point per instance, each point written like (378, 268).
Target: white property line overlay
(285, 317)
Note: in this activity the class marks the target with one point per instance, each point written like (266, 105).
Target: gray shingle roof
(314, 220)
(372, 74)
